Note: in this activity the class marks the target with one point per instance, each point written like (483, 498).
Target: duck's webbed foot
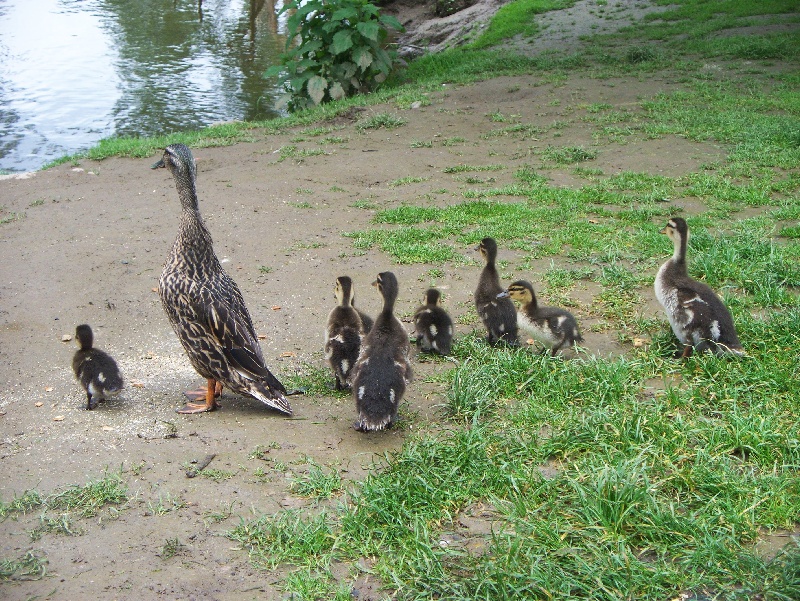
(208, 395)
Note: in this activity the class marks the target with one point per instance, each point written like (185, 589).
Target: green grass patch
(517, 18)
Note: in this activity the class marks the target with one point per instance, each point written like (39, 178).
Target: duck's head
(179, 160)
(345, 295)
(521, 291)
(84, 336)
(676, 229)
(387, 286)
(488, 249)
(432, 297)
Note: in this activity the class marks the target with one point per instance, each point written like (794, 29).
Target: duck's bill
(503, 294)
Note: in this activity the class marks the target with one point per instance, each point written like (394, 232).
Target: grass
(85, 501)
(317, 483)
(29, 566)
(171, 548)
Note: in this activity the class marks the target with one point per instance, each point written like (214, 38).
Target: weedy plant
(31, 566)
(341, 51)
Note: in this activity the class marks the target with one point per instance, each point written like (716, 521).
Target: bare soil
(88, 244)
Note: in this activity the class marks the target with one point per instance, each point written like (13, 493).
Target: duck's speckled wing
(229, 324)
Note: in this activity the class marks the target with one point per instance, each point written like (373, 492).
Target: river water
(75, 71)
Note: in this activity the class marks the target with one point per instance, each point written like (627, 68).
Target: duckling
(344, 332)
(498, 314)
(697, 315)
(205, 306)
(382, 371)
(433, 324)
(551, 326)
(97, 371)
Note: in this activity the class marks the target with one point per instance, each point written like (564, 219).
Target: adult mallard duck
(552, 326)
(206, 308)
(697, 315)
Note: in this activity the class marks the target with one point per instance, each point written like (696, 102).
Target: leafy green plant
(341, 51)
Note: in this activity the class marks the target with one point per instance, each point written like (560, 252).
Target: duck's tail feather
(271, 397)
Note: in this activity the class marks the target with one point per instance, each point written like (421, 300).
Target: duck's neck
(679, 254)
(534, 304)
(388, 306)
(192, 230)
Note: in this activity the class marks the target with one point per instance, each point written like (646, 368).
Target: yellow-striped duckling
(551, 326)
(96, 370)
(383, 370)
(699, 318)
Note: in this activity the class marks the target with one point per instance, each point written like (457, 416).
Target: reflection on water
(73, 72)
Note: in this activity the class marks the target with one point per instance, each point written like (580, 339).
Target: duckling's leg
(90, 404)
(212, 391)
(687, 351)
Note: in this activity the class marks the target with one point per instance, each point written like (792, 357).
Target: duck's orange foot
(197, 408)
(208, 395)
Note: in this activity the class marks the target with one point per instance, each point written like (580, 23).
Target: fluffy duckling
(206, 307)
(344, 332)
(697, 315)
(497, 314)
(551, 326)
(433, 324)
(382, 371)
(97, 371)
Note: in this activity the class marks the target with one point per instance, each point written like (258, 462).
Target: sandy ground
(87, 244)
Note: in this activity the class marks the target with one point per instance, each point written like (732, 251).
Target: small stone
(58, 418)
(416, 105)
(66, 338)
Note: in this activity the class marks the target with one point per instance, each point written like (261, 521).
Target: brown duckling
(383, 370)
(96, 370)
(433, 324)
(697, 315)
(344, 332)
(551, 326)
(497, 314)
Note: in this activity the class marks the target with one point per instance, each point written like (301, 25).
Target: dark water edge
(74, 72)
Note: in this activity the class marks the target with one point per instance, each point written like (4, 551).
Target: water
(73, 72)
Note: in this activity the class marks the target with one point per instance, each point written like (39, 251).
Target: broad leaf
(310, 46)
(392, 22)
(368, 30)
(274, 71)
(316, 88)
(362, 57)
(344, 13)
(336, 91)
(342, 41)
